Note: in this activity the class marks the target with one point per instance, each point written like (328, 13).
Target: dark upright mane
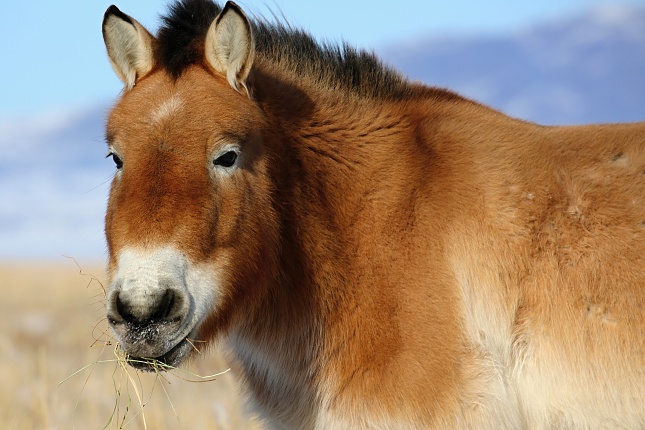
(181, 42)
(181, 38)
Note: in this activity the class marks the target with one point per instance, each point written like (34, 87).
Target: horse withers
(374, 253)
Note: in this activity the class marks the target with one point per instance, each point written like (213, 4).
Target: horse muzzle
(155, 306)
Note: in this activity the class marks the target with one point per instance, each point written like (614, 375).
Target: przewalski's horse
(375, 253)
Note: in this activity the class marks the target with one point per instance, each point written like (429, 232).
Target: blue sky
(54, 72)
(53, 56)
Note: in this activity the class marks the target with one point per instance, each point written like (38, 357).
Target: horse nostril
(176, 307)
(113, 304)
(123, 309)
(165, 305)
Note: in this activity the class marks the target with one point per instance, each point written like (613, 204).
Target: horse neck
(318, 168)
(327, 153)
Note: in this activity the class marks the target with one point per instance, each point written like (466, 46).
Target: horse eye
(117, 160)
(227, 159)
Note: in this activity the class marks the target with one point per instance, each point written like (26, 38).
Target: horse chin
(167, 361)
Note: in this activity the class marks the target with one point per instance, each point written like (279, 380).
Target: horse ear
(129, 46)
(229, 46)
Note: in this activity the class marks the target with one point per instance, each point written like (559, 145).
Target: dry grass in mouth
(49, 315)
(132, 380)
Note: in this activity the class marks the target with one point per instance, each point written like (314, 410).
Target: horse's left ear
(229, 46)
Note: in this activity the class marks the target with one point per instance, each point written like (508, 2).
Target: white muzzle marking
(157, 299)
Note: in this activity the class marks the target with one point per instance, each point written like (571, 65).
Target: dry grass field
(52, 325)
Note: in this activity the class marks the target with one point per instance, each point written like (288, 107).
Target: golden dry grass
(49, 318)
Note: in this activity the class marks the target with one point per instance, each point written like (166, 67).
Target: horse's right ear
(129, 46)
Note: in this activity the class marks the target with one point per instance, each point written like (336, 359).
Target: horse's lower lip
(163, 362)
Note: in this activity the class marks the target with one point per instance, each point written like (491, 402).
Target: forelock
(180, 40)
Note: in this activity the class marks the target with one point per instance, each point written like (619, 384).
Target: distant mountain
(54, 179)
(588, 68)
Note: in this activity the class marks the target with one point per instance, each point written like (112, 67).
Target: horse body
(405, 259)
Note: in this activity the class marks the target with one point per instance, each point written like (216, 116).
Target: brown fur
(411, 262)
